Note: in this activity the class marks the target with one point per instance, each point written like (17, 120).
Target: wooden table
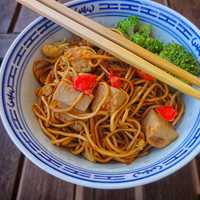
(22, 180)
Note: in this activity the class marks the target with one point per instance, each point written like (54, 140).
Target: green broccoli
(129, 25)
(153, 45)
(139, 39)
(149, 43)
(141, 34)
(179, 56)
(145, 29)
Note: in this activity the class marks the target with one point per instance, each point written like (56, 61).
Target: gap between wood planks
(196, 176)
(14, 18)
(18, 177)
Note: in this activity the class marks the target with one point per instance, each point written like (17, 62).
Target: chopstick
(123, 42)
(116, 50)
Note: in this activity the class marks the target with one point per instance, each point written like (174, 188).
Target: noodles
(103, 123)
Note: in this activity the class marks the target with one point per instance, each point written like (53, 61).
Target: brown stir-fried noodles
(104, 123)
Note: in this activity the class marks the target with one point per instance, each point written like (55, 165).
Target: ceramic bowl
(17, 96)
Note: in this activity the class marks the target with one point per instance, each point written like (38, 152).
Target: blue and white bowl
(17, 96)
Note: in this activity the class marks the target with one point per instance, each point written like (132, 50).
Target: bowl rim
(43, 166)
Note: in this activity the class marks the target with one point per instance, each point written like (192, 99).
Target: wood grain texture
(79, 193)
(180, 185)
(164, 2)
(195, 173)
(37, 184)
(26, 16)
(197, 160)
(5, 41)
(183, 184)
(9, 165)
(95, 194)
(6, 14)
(10, 159)
(189, 8)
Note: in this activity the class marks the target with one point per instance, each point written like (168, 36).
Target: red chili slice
(144, 75)
(115, 81)
(85, 83)
(167, 112)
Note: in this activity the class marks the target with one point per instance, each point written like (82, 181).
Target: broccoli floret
(139, 39)
(129, 25)
(149, 43)
(153, 45)
(179, 56)
(141, 34)
(145, 29)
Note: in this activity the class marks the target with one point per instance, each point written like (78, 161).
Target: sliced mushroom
(53, 50)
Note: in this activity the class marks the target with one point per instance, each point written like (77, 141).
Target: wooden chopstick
(123, 42)
(109, 46)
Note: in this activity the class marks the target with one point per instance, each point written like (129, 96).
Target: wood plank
(9, 165)
(177, 186)
(196, 172)
(27, 16)
(5, 41)
(128, 194)
(139, 193)
(96, 194)
(11, 159)
(188, 8)
(91, 194)
(197, 160)
(165, 2)
(37, 184)
(183, 184)
(7, 11)
(84, 193)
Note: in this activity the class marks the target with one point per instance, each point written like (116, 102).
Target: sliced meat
(116, 98)
(159, 133)
(66, 95)
(75, 55)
